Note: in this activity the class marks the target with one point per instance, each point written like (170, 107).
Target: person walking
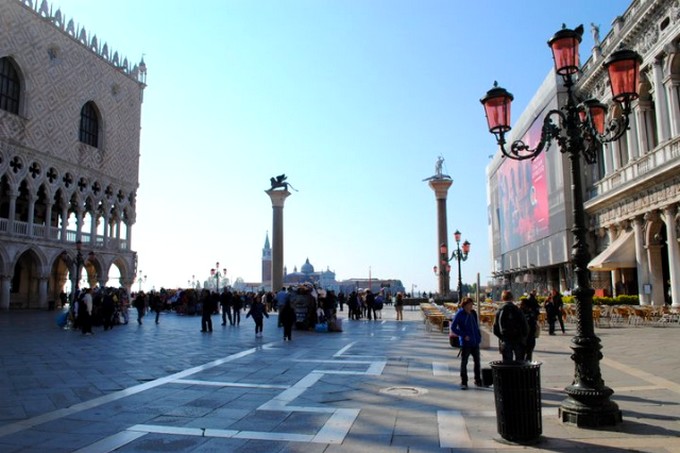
(559, 307)
(465, 325)
(399, 306)
(156, 304)
(531, 312)
(108, 309)
(236, 307)
(287, 319)
(207, 310)
(353, 305)
(511, 328)
(257, 311)
(551, 313)
(85, 312)
(369, 299)
(140, 305)
(341, 300)
(226, 300)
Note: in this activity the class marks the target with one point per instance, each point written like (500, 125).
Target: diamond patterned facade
(55, 191)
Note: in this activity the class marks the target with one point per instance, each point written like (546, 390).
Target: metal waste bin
(517, 390)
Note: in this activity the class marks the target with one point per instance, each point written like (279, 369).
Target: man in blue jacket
(466, 327)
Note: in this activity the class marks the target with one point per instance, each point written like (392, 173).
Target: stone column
(5, 288)
(673, 104)
(278, 198)
(616, 273)
(632, 138)
(64, 222)
(641, 261)
(42, 292)
(660, 102)
(441, 188)
(673, 253)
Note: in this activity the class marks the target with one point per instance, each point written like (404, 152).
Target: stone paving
(382, 385)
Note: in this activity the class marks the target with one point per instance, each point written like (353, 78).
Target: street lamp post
(79, 263)
(580, 129)
(217, 275)
(459, 255)
(142, 278)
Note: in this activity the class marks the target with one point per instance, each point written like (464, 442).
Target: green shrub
(627, 300)
(618, 300)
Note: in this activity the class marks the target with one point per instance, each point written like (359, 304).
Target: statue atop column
(279, 182)
(438, 173)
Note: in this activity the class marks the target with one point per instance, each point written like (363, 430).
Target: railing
(667, 155)
(54, 234)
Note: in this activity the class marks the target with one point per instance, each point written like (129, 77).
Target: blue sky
(354, 100)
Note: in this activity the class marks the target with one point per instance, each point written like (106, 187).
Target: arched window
(89, 125)
(9, 86)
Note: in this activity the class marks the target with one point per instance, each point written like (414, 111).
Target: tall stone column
(441, 185)
(673, 253)
(278, 198)
(5, 291)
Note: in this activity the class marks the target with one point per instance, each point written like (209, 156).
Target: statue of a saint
(438, 167)
(595, 29)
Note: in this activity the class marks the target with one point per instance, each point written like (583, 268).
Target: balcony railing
(662, 158)
(23, 230)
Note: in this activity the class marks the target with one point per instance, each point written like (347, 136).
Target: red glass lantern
(564, 45)
(597, 112)
(497, 109)
(466, 247)
(623, 67)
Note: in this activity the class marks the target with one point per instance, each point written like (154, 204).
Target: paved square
(380, 385)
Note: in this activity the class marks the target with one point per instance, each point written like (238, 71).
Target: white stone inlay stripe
(441, 369)
(337, 427)
(160, 429)
(376, 368)
(343, 350)
(342, 361)
(261, 435)
(229, 384)
(112, 443)
(223, 433)
(452, 430)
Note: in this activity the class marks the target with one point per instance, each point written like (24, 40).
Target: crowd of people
(304, 306)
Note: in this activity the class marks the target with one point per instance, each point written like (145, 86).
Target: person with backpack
(466, 326)
(511, 328)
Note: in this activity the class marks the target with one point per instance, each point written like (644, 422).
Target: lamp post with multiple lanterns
(215, 272)
(79, 264)
(459, 255)
(142, 278)
(580, 128)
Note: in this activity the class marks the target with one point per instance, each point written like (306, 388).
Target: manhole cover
(404, 391)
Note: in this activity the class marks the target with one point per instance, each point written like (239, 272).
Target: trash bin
(517, 390)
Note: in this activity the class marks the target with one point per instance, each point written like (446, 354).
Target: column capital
(440, 187)
(278, 197)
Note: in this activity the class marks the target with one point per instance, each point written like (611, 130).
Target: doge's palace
(70, 114)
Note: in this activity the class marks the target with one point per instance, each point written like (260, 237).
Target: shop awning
(619, 254)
